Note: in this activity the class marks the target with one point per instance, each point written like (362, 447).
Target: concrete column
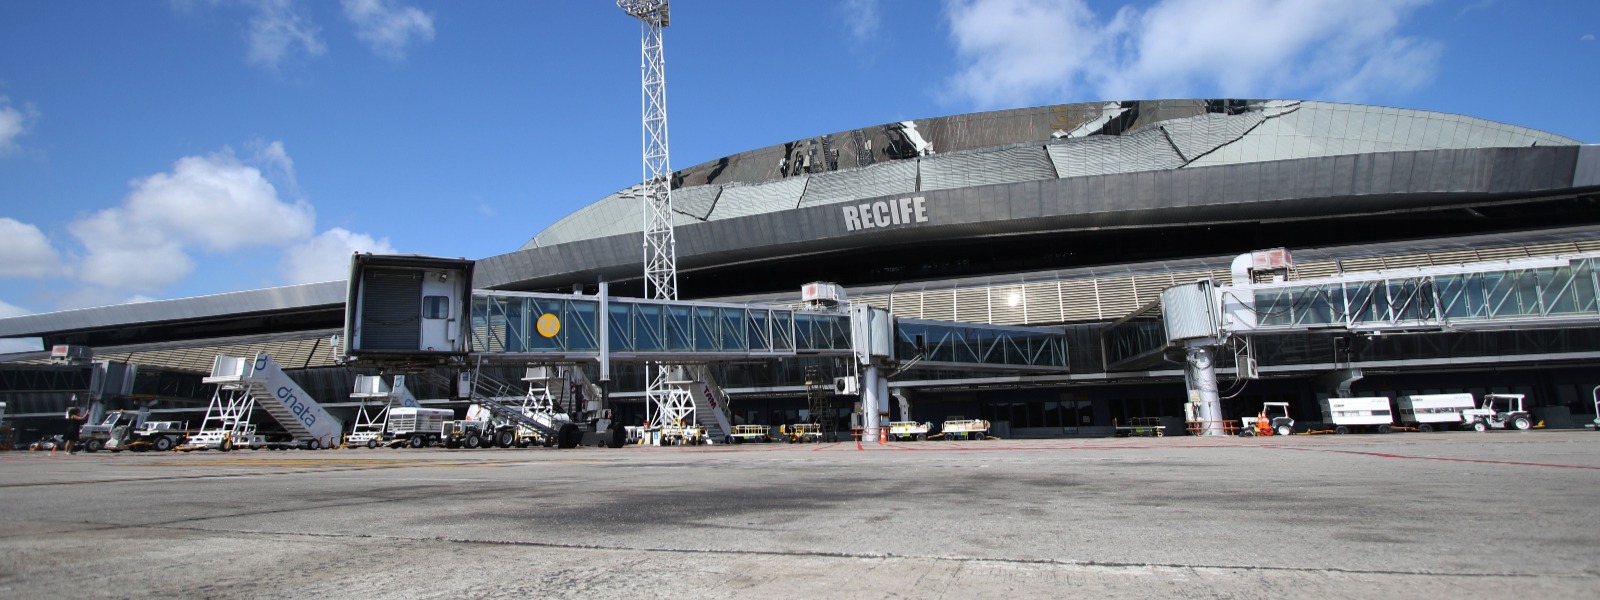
(1200, 377)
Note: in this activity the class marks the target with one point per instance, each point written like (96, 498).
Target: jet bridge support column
(874, 401)
(1200, 377)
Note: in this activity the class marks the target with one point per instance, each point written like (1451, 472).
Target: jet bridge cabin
(407, 306)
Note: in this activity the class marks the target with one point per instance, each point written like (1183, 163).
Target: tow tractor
(1272, 420)
(1498, 411)
(680, 434)
(126, 430)
(965, 429)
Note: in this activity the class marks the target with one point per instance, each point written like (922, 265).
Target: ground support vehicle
(683, 435)
(800, 433)
(159, 436)
(749, 433)
(1371, 414)
(965, 429)
(1498, 411)
(465, 433)
(909, 430)
(1140, 427)
(1272, 420)
(1429, 412)
(417, 427)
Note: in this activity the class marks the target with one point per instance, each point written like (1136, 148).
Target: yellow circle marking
(549, 325)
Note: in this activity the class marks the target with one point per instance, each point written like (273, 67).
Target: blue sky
(162, 149)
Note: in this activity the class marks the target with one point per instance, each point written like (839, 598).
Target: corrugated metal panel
(1315, 269)
(1187, 309)
(1197, 136)
(613, 215)
(1367, 263)
(1080, 301)
(939, 304)
(907, 305)
(1011, 165)
(1407, 260)
(745, 200)
(1043, 302)
(1453, 257)
(1588, 245)
(878, 300)
(391, 310)
(1501, 253)
(1007, 305)
(696, 201)
(1116, 297)
(1146, 150)
(1148, 287)
(883, 179)
(972, 305)
(1551, 249)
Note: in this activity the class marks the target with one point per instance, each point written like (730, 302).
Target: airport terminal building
(1071, 216)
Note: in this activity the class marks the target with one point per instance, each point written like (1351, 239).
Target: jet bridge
(1196, 318)
(386, 327)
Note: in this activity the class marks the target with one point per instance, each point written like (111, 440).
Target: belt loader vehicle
(1429, 412)
(1498, 411)
(1358, 414)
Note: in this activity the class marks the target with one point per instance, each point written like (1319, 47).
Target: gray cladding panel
(310, 295)
(1587, 172)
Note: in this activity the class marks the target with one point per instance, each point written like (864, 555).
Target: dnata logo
(885, 213)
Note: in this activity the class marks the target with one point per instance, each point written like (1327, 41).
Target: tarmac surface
(1459, 514)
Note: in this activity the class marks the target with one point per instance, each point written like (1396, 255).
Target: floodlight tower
(660, 247)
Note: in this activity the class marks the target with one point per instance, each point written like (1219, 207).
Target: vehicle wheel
(568, 436)
(1384, 429)
(507, 438)
(1341, 430)
(731, 440)
(1247, 432)
(314, 445)
(922, 437)
(418, 441)
(472, 441)
(93, 445)
(1480, 426)
(1425, 428)
(163, 444)
(372, 443)
(1521, 423)
(617, 436)
(226, 445)
(547, 441)
(1285, 430)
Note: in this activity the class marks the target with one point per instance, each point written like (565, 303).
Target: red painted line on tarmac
(1448, 459)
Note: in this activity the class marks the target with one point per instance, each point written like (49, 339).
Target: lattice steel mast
(660, 247)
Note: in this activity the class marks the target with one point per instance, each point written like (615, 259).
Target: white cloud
(25, 251)
(861, 17)
(213, 203)
(1587, 37)
(278, 32)
(327, 256)
(386, 28)
(1018, 52)
(14, 123)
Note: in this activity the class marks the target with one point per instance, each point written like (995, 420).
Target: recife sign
(885, 213)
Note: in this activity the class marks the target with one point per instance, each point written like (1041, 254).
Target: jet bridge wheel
(568, 436)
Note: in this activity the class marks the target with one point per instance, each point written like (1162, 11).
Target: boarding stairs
(266, 386)
(505, 403)
(712, 408)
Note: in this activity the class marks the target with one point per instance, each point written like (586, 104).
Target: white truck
(1430, 412)
(128, 430)
(1370, 414)
(418, 427)
(1498, 411)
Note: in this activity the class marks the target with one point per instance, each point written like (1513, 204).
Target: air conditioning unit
(846, 386)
